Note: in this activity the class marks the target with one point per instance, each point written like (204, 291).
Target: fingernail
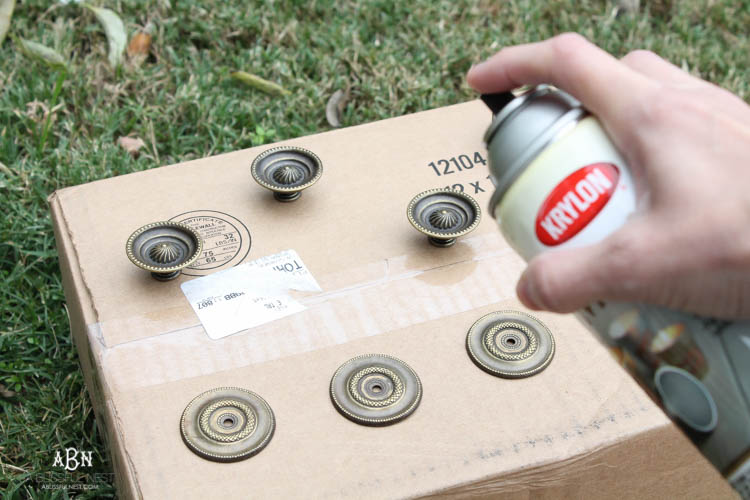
(476, 66)
(528, 293)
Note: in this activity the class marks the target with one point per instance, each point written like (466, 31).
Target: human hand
(687, 143)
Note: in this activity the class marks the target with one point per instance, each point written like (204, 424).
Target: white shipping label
(250, 294)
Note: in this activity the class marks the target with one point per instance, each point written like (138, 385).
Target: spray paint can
(561, 183)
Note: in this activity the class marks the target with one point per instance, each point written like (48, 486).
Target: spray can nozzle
(497, 101)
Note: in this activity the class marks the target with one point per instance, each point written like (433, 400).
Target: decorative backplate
(286, 170)
(164, 248)
(375, 389)
(443, 215)
(510, 344)
(227, 424)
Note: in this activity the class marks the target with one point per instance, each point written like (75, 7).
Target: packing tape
(399, 299)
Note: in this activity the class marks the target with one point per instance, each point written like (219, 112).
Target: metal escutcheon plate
(227, 424)
(375, 389)
(510, 344)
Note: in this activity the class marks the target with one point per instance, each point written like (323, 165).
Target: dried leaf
(5, 392)
(259, 83)
(335, 107)
(627, 7)
(6, 12)
(131, 144)
(43, 54)
(37, 111)
(139, 45)
(115, 31)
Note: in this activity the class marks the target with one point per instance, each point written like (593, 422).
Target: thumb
(567, 280)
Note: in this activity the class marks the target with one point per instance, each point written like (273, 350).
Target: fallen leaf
(131, 144)
(115, 31)
(139, 45)
(6, 12)
(259, 83)
(335, 107)
(627, 7)
(5, 392)
(36, 111)
(43, 54)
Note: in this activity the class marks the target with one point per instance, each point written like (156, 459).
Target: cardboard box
(580, 428)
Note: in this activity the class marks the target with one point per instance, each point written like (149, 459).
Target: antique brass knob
(164, 248)
(443, 215)
(286, 170)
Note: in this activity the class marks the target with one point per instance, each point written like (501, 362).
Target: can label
(575, 193)
(575, 202)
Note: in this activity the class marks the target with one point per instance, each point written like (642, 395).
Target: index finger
(602, 83)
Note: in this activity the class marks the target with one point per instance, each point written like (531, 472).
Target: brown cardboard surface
(386, 290)
(595, 475)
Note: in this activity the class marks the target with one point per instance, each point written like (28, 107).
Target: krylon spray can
(561, 183)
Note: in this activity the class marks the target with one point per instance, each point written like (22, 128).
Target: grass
(396, 57)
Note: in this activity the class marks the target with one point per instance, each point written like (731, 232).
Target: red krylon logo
(575, 202)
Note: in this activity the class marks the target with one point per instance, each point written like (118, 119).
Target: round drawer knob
(286, 171)
(443, 215)
(164, 248)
